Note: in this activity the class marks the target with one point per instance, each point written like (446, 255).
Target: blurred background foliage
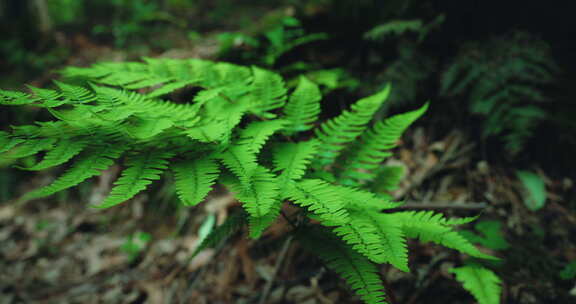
(506, 79)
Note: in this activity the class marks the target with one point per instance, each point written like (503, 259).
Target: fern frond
(141, 169)
(362, 200)
(320, 198)
(303, 107)
(258, 194)
(361, 275)
(15, 98)
(21, 149)
(254, 136)
(387, 179)
(393, 28)
(391, 239)
(343, 129)
(293, 159)
(64, 150)
(218, 126)
(430, 227)
(48, 98)
(75, 94)
(194, 179)
(375, 147)
(267, 91)
(146, 128)
(89, 163)
(481, 282)
(259, 224)
(231, 225)
(240, 161)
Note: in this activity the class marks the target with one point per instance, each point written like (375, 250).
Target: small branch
(444, 205)
(277, 266)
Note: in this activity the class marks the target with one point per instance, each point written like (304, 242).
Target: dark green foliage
(504, 81)
(243, 130)
(481, 282)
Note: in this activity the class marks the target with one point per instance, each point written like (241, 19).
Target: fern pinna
(243, 129)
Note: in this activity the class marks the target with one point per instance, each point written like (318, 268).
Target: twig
(443, 205)
(277, 266)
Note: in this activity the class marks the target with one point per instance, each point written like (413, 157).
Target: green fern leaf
(240, 161)
(146, 128)
(343, 129)
(387, 179)
(141, 169)
(267, 91)
(303, 108)
(258, 194)
(254, 136)
(375, 147)
(293, 159)
(376, 236)
(21, 149)
(320, 198)
(90, 163)
(75, 94)
(360, 274)
(15, 98)
(65, 150)
(430, 227)
(391, 247)
(259, 224)
(194, 179)
(482, 283)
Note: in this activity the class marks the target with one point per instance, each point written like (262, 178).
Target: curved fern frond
(320, 198)
(361, 275)
(141, 169)
(15, 98)
(375, 147)
(293, 159)
(482, 283)
(254, 136)
(259, 224)
(387, 179)
(90, 163)
(21, 149)
(240, 161)
(303, 107)
(260, 193)
(267, 91)
(430, 227)
(343, 129)
(381, 243)
(64, 150)
(194, 179)
(259, 197)
(75, 94)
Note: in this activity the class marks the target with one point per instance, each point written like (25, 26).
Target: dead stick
(444, 205)
(277, 266)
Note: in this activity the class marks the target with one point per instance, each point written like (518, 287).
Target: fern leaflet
(375, 146)
(194, 179)
(142, 169)
(482, 283)
(343, 129)
(360, 274)
(90, 163)
(303, 108)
